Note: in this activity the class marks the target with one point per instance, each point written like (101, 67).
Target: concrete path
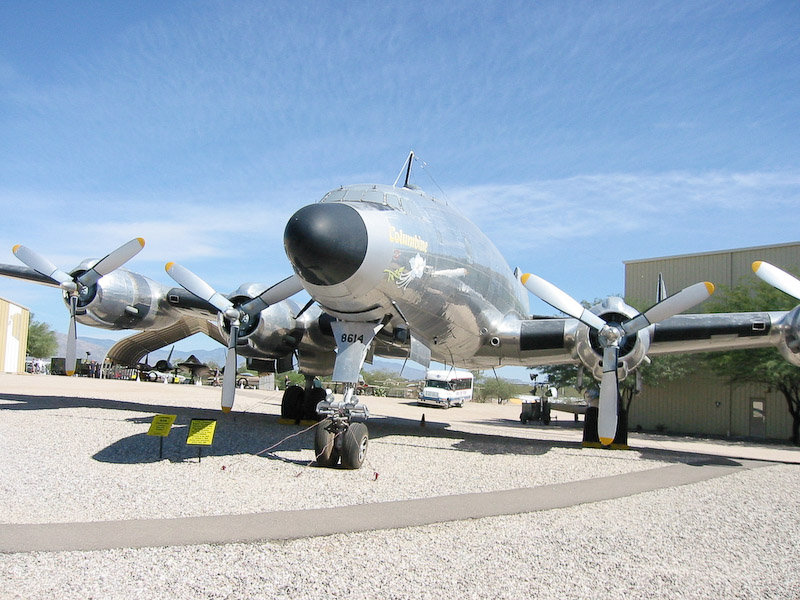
(283, 525)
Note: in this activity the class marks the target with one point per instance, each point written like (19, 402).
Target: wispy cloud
(611, 206)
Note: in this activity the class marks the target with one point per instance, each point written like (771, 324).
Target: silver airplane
(395, 272)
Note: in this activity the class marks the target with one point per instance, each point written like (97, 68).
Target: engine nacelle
(632, 349)
(124, 300)
(789, 342)
(273, 333)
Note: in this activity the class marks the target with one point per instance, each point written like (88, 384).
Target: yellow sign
(201, 432)
(161, 425)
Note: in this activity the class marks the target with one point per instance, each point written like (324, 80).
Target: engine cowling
(632, 349)
(123, 299)
(273, 333)
(789, 342)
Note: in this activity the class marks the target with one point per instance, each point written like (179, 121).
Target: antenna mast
(406, 164)
(408, 170)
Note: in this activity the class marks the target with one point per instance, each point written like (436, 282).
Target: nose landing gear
(338, 436)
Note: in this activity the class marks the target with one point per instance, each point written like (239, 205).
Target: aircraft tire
(354, 446)
(324, 447)
(313, 397)
(292, 403)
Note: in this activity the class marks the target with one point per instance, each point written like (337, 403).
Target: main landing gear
(340, 435)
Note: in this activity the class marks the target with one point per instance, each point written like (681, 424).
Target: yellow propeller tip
(524, 277)
(226, 409)
(141, 241)
(15, 248)
(169, 266)
(757, 265)
(710, 287)
(70, 373)
(606, 441)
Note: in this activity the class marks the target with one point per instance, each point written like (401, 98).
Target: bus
(446, 387)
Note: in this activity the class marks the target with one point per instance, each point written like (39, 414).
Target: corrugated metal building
(14, 321)
(703, 403)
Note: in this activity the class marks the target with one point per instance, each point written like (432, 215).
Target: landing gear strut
(342, 435)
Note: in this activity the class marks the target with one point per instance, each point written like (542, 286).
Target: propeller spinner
(73, 286)
(235, 315)
(611, 335)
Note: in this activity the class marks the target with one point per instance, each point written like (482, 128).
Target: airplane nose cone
(326, 243)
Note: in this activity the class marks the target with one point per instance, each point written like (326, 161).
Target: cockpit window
(364, 194)
(334, 196)
(394, 201)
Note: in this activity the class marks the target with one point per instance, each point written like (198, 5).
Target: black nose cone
(326, 243)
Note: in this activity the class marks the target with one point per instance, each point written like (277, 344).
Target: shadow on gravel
(240, 433)
(714, 461)
(233, 437)
(29, 402)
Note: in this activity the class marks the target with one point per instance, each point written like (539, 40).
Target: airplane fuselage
(401, 253)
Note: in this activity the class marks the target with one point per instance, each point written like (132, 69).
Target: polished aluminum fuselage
(428, 268)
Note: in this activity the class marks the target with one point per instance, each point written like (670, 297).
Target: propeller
(611, 335)
(73, 286)
(236, 316)
(777, 278)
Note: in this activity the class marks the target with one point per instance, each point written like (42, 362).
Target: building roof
(712, 253)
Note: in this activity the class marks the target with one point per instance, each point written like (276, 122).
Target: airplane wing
(130, 350)
(548, 341)
(26, 274)
(716, 331)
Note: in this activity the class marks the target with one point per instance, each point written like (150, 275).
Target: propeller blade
(111, 261)
(777, 278)
(677, 303)
(72, 337)
(671, 306)
(40, 264)
(561, 300)
(229, 381)
(278, 292)
(609, 395)
(198, 287)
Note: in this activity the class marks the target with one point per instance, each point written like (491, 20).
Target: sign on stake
(201, 433)
(161, 426)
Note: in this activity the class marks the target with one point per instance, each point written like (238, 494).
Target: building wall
(703, 403)
(14, 320)
(727, 268)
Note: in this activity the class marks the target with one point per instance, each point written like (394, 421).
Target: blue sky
(577, 134)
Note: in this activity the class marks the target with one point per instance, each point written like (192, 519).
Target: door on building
(758, 418)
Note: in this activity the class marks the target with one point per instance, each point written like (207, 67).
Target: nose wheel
(341, 441)
(338, 436)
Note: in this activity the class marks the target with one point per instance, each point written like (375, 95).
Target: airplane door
(758, 418)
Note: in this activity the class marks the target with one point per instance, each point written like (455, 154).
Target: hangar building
(14, 320)
(703, 403)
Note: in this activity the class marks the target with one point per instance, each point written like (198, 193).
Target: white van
(446, 387)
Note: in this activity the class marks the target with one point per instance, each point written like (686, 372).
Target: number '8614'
(351, 338)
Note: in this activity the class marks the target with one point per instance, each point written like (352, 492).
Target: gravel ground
(87, 457)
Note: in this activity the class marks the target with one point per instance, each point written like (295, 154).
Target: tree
(495, 387)
(42, 341)
(560, 376)
(762, 365)
(661, 368)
